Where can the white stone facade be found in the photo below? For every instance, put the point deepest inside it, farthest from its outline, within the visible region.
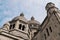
(20, 28)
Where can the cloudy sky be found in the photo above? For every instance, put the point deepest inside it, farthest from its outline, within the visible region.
(12, 8)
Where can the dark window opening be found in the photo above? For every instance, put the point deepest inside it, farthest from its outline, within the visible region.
(45, 36)
(47, 31)
(13, 26)
(23, 27)
(50, 29)
(35, 33)
(10, 27)
(20, 25)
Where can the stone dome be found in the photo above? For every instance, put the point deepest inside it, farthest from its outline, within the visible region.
(21, 17)
(33, 21)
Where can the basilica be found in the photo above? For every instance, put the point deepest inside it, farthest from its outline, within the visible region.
(19, 28)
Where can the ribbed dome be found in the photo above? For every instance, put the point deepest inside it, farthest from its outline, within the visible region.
(33, 21)
(21, 17)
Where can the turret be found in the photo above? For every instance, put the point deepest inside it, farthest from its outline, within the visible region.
(49, 5)
(51, 8)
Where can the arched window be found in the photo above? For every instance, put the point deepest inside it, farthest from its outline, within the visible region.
(10, 27)
(20, 25)
(47, 31)
(23, 27)
(13, 26)
(50, 29)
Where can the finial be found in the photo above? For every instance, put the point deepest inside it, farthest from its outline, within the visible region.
(21, 14)
(32, 18)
